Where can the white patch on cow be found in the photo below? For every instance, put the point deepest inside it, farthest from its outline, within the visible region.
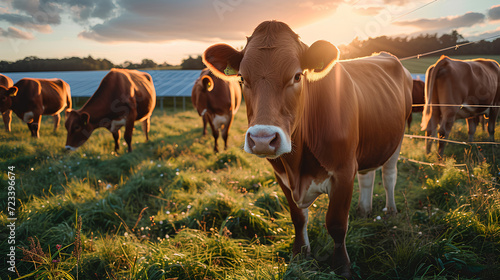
(203, 112)
(28, 117)
(286, 143)
(117, 124)
(315, 189)
(70, 148)
(220, 120)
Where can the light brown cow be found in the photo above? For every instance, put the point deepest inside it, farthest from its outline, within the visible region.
(417, 95)
(468, 83)
(7, 115)
(216, 101)
(122, 98)
(319, 121)
(30, 98)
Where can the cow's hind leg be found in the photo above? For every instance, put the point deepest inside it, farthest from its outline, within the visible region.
(491, 122)
(204, 118)
(7, 117)
(57, 120)
(365, 182)
(145, 127)
(215, 134)
(116, 136)
(337, 218)
(389, 177)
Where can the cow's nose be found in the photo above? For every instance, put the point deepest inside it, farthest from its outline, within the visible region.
(263, 143)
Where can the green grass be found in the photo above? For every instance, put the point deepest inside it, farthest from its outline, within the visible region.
(420, 65)
(172, 209)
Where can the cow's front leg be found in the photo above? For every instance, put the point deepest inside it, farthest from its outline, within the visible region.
(337, 219)
(7, 117)
(471, 125)
(494, 112)
(57, 120)
(299, 218)
(129, 129)
(34, 126)
(116, 136)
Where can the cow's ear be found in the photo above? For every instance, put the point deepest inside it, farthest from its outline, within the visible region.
(85, 118)
(208, 83)
(319, 59)
(223, 60)
(12, 91)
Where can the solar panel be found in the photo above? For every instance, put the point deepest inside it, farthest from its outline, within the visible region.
(168, 83)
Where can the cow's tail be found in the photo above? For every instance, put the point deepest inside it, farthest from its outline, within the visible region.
(69, 101)
(430, 80)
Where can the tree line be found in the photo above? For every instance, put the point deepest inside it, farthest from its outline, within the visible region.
(399, 46)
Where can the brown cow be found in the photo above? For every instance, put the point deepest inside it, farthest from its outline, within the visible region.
(319, 121)
(216, 101)
(7, 115)
(418, 98)
(30, 98)
(468, 83)
(122, 98)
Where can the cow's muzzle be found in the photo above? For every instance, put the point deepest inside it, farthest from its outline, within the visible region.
(266, 141)
(70, 148)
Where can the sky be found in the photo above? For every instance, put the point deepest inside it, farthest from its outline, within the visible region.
(171, 30)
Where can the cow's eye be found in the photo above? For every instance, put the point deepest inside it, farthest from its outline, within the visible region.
(297, 77)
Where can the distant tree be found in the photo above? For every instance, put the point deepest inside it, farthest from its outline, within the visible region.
(192, 63)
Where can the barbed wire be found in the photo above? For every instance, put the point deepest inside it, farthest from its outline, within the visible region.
(455, 105)
(449, 48)
(450, 141)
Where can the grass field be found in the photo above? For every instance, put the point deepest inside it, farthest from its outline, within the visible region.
(420, 65)
(172, 209)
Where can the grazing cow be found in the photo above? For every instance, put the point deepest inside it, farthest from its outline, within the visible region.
(7, 115)
(468, 83)
(122, 98)
(417, 95)
(319, 121)
(30, 98)
(216, 101)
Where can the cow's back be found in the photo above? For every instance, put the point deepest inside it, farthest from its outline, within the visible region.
(144, 92)
(119, 92)
(56, 95)
(383, 93)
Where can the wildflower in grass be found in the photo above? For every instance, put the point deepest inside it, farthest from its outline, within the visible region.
(58, 247)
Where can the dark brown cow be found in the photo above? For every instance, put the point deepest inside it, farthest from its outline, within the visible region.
(122, 98)
(30, 98)
(319, 121)
(418, 98)
(7, 115)
(216, 101)
(468, 83)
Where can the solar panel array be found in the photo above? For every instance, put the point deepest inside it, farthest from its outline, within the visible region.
(168, 83)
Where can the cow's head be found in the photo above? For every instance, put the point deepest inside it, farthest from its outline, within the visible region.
(272, 68)
(79, 128)
(203, 86)
(6, 95)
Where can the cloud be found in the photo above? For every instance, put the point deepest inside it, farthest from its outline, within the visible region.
(494, 13)
(369, 11)
(40, 15)
(201, 20)
(445, 23)
(13, 32)
(26, 22)
(484, 35)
